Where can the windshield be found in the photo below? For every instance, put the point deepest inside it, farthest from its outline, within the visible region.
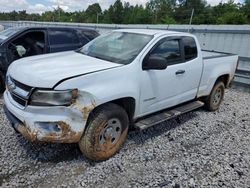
(117, 47)
(8, 32)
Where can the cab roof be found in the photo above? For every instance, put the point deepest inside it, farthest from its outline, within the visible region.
(50, 27)
(147, 31)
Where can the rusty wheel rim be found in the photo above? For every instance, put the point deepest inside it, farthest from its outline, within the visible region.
(111, 133)
(217, 96)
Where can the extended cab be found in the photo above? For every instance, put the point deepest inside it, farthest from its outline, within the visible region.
(124, 78)
(16, 43)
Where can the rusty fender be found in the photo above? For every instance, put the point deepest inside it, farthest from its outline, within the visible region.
(63, 131)
(85, 103)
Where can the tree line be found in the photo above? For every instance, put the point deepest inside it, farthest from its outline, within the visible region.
(154, 12)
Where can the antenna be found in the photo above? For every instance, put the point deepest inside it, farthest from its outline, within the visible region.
(191, 19)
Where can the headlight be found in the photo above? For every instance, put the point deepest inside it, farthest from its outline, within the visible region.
(53, 98)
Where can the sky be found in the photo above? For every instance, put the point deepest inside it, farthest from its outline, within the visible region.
(39, 6)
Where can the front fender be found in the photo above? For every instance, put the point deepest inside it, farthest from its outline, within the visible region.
(101, 87)
(85, 103)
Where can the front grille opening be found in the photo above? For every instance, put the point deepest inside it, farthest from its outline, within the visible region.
(20, 101)
(19, 92)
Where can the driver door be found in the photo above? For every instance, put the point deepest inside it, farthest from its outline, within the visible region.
(178, 83)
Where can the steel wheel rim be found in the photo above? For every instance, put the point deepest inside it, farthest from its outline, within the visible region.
(217, 96)
(111, 132)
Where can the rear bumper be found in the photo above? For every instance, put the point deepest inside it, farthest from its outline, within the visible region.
(49, 124)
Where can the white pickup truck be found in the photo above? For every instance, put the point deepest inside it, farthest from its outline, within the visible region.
(121, 79)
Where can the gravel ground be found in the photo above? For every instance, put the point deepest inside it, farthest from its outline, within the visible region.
(198, 149)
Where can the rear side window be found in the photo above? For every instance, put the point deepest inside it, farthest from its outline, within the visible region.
(190, 48)
(84, 40)
(57, 37)
(170, 50)
(90, 34)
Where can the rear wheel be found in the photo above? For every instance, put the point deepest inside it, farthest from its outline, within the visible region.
(105, 132)
(216, 96)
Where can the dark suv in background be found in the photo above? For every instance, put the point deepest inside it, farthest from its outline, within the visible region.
(16, 43)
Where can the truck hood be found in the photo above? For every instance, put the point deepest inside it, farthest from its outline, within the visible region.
(45, 71)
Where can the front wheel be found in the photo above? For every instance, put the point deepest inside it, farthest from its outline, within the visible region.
(216, 96)
(105, 132)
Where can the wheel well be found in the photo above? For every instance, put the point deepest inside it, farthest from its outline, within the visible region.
(224, 78)
(128, 103)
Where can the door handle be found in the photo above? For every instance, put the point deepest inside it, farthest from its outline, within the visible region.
(180, 72)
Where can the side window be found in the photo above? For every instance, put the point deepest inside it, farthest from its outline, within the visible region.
(190, 48)
(75, 38)
(90, 34)
(58, 37)
(27, 44)
(170, 50)
(83, 40)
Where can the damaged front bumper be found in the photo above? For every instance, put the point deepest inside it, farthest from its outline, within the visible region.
(48, 124)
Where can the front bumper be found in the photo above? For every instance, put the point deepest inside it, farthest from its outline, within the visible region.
(49, 124)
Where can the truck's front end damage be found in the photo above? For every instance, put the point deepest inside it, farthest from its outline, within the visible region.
(47, 115)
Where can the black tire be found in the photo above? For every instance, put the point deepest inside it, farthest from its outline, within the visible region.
(213, 101)
(105, 133)
(2, 83)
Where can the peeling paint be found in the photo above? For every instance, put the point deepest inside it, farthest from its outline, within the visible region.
(64, 130)
(67, 135)
(85, 103)
(26, 132)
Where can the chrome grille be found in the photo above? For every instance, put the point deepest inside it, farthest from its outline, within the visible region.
(19, 92)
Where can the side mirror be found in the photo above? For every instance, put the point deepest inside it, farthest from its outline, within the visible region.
(154, 63)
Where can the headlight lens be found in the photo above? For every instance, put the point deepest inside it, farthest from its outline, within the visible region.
(53, 98)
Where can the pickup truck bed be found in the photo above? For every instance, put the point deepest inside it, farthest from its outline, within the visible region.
(242, 75)
(224, 62)
(206, 54)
